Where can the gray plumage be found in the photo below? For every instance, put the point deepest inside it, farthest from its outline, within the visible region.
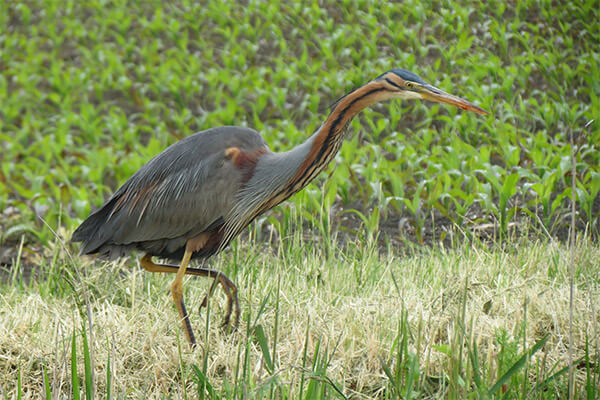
(194, 188)
(187, 189)
(272, 169)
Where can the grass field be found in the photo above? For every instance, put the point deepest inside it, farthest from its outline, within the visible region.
(430, 260)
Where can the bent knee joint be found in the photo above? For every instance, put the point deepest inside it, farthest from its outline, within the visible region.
(146, 262)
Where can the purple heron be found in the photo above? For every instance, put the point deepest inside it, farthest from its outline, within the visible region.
(197, 195)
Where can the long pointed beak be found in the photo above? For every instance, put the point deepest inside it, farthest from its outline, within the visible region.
(432, 93)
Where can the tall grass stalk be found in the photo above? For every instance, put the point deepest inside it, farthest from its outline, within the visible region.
(571, 266)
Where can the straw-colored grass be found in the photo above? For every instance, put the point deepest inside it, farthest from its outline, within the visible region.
(350, 303)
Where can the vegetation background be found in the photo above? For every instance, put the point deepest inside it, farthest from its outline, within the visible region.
(434, 258)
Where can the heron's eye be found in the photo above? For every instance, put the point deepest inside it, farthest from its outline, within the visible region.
(409, 85)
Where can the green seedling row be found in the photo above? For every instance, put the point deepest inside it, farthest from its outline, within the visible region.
(90, 91)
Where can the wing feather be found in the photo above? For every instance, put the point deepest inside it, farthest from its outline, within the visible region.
(177, 195)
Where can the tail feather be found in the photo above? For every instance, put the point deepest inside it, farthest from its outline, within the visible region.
(90, 234)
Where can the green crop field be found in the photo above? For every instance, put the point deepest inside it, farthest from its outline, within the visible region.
(443, 254)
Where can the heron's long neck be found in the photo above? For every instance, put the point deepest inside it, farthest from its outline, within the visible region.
(278, 176)
(312, 156)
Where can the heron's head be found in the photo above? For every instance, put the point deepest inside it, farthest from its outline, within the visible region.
(406, 85)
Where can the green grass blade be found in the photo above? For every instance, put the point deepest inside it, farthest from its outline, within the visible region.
(47, 391)
(89, 384)
(19, 386)
(264, 346)
(474, 357)
(203, 383)
(74, 377)
(591, 373)
(517, 365)
(542, 385)
(388, 372)
(304, 358)
(336, 388)
(108, 378)
(261, 309)
(276, 325)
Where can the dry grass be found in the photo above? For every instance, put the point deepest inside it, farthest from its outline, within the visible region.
(346, 302)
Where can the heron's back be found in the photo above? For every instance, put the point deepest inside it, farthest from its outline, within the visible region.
(186, 190)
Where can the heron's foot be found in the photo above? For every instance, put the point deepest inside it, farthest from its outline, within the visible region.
(218, 277)
(232, 298)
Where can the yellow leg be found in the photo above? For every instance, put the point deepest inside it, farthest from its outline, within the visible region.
(177, 292)
(219, 278)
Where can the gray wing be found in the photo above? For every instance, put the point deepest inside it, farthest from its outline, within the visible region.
(175, 196)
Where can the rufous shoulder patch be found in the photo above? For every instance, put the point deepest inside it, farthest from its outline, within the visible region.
(232, 153)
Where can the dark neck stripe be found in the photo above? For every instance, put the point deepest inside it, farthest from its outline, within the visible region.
(345, 110)
(393, 83)
(332, 134)
(328, 146)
